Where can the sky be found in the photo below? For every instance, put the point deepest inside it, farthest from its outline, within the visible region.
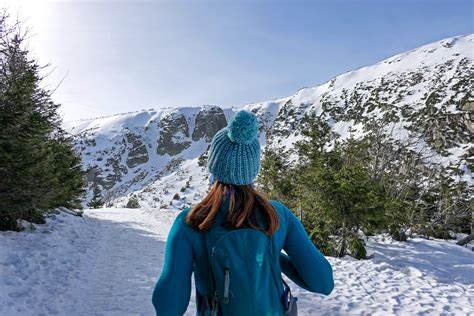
(109, 56)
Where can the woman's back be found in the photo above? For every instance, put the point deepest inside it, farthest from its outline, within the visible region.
(232, 240)
(303, 264)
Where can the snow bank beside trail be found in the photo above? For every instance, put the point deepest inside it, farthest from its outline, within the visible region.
(107, 263)
(418, 277)
(40, 269)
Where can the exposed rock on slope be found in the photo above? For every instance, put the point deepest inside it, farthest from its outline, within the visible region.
(174, 132)
(208, 122)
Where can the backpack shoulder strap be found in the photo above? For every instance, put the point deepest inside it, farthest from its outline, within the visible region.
(210, 297)
(287, 297)
(276, 276)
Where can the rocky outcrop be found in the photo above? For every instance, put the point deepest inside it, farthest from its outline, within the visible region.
(468, 118)
(93, 175)
(138, 153)
(208, 122)
(174, 134)
(115, 172)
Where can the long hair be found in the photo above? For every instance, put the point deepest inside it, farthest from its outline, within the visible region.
(243, 201)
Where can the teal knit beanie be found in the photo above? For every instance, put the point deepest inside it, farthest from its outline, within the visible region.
(234, 156)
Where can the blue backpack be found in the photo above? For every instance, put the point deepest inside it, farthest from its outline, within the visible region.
(242, 275)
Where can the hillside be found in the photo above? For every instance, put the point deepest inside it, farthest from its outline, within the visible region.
(422, 98)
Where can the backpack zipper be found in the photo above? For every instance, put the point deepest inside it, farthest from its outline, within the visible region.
(225, 300)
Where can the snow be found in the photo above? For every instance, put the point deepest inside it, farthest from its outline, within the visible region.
(348, 130)
(107, 263)
(429, 56)
(39, 270)
(103, 264)
(422, 277)
(267, 111)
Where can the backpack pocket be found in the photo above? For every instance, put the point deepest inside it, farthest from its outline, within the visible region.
(243, 270)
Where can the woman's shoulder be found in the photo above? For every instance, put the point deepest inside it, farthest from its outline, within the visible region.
(182, 215)
(279, 206)
(183, 227)
(281, 209)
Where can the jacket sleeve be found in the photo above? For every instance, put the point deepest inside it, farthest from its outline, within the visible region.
(173, 289)
(305, 264)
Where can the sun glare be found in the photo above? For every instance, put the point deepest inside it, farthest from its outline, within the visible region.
(27, 10)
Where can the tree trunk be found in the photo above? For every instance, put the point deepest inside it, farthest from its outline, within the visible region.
(465, 240)
(342, 250)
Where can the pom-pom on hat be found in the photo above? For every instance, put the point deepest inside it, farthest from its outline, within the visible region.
(234, 156)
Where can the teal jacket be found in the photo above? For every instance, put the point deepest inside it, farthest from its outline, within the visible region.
(303, 264)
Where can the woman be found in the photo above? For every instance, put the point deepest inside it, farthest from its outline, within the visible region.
(229, 240)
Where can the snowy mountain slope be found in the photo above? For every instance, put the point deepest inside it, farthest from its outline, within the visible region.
(433, 82)
(124, 153)
(422, 97)
(107, 263)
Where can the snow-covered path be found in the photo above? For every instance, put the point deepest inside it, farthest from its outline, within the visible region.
(128, 254)
(107, 263)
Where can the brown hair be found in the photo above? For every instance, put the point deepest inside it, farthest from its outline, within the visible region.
(242, 207)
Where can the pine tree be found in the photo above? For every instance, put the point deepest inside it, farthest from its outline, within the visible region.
(96, 201)
(68, 172)
(275, 177)
(447, 207)
(39, 169)
(330, 187)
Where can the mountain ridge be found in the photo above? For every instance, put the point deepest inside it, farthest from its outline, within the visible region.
(423, 94)
(276, 99)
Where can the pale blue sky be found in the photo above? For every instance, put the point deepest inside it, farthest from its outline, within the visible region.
(119, 56)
